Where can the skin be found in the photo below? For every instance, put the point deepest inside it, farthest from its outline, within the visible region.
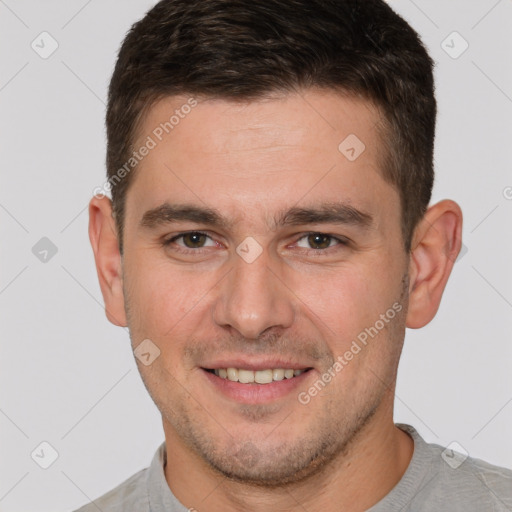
(296, 302)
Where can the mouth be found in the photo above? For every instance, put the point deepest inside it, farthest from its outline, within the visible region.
(266, 376)
(256, 385)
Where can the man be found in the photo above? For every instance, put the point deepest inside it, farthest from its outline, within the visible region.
(268, 241)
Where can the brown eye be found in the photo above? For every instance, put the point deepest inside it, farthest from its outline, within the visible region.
(319, 241)
(194, 240)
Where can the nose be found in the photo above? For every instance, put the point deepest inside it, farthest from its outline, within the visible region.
(253, 298)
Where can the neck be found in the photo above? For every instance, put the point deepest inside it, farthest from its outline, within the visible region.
(369, 468)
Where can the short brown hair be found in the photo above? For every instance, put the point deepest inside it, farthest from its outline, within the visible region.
(243, 50)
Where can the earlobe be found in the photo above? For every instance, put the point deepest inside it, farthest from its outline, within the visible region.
(436, 244)
(103, 237)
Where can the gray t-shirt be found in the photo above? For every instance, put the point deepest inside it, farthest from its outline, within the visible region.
(436, 480)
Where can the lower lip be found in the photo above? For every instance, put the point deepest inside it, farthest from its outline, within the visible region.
(257, 393)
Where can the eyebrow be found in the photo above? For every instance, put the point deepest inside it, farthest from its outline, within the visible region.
(332, 213)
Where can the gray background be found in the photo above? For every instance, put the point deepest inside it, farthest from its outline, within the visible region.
(68, 377)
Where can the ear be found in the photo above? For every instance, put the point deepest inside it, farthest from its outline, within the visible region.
(436, 244)
(103, 237)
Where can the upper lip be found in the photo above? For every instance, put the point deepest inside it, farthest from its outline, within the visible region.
(255, 365)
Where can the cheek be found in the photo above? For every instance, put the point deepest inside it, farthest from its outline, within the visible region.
(154, 297)
(166, 301)
(364, 332)
(346, 301)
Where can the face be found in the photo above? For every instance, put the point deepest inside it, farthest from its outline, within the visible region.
(255, 243)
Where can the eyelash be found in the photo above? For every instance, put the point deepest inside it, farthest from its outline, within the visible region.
(341, 241)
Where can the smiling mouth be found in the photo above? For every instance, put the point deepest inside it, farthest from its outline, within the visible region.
(256, 377)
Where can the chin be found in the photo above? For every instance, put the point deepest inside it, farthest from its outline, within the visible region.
(271, 466)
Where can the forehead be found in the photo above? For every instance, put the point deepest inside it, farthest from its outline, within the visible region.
(315, 117)
(260, 155)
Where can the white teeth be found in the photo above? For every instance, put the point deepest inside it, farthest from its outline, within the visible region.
(259, 376)
(278, 374)
(232, 374)
(263, 376)
(245, 376)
